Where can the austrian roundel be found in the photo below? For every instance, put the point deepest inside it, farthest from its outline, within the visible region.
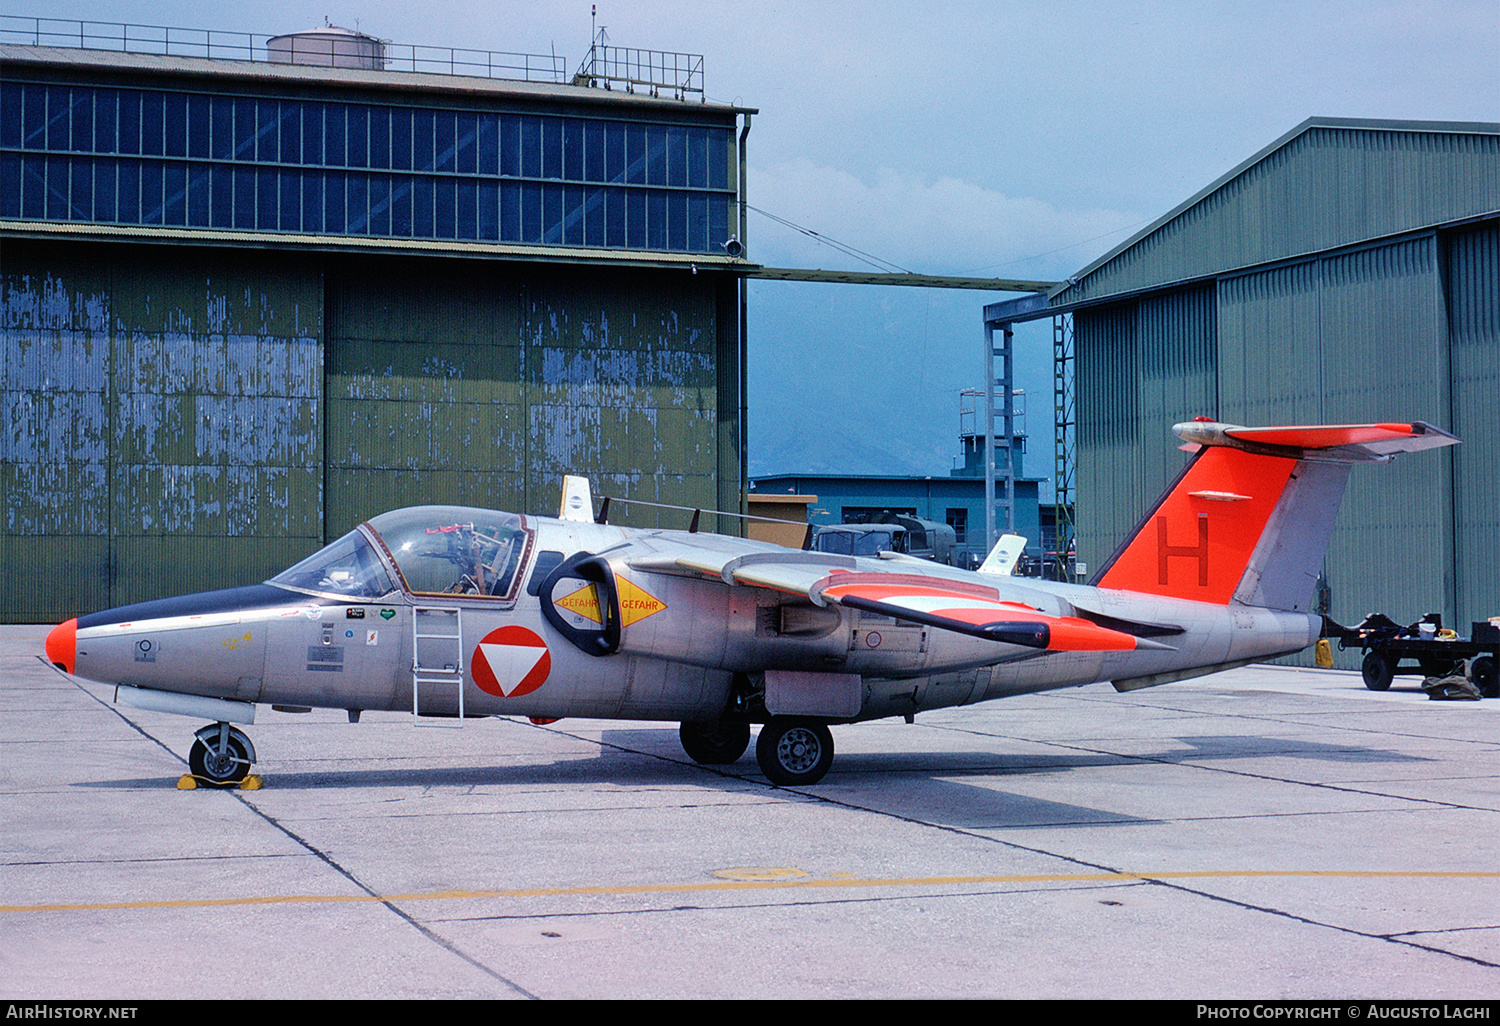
(511, 661)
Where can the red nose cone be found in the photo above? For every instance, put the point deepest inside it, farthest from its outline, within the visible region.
(62, 644)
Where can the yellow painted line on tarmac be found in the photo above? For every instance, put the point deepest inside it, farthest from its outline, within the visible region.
(789, 881)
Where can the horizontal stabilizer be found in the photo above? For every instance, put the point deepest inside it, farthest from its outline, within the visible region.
(1343, 443)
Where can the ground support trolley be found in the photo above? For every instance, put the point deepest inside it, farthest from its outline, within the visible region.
(1422, 648)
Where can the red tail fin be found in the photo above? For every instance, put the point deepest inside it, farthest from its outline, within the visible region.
(1249, 518)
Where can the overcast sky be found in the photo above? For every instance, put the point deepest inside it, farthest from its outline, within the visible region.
(1018, 139)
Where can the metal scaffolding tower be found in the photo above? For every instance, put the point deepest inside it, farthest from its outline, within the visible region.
(1000, 408)
(1000, 429)
(1064, 440)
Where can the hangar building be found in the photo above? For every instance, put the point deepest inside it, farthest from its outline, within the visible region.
(1348, 272)
(247, 303)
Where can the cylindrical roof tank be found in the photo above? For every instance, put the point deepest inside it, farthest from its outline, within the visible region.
(328, 47)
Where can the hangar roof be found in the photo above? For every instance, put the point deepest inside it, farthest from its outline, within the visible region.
(1326, 184)
(276, 73)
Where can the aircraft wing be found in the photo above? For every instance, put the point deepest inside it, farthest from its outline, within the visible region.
(936, 600)
(782, 570)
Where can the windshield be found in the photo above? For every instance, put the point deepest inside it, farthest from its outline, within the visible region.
(348, 568)
(856, 543)
(453, 550)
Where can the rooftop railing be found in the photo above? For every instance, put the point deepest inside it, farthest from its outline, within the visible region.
(650, 71)
(172, 41)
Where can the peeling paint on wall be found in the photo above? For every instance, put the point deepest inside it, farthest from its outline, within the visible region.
(137, 406)
(174, 421)
(517, 380)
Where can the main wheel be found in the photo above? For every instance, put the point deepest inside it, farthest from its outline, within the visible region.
(1378, 671)
(1485, 676)
(793, 751)
(228, 770)
(715, 743)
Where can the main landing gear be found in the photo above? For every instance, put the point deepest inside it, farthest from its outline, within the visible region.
(717, 743)
(221, 756)
(792, 751)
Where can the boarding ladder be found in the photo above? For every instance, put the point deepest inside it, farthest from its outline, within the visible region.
(437, 661)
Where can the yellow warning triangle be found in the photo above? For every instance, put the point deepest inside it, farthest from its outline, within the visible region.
(584, 602)
(635, 602)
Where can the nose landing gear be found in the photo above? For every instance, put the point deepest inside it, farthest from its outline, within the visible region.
(221, 756)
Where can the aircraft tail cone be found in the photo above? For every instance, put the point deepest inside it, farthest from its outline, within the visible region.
(62, 645)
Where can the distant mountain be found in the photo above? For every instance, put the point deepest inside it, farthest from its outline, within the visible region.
(850, 449)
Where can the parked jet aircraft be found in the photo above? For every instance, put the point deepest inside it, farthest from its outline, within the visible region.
(464, 612)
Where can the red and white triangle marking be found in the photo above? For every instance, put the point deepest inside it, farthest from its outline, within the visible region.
(511, 661)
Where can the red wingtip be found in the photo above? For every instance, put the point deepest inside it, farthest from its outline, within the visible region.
(62, 644)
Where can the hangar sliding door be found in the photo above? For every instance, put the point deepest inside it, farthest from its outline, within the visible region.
(162, 423)
(484, 383)
(1355, 337)
(424, 392)
(1472, 270)
(1142, 367)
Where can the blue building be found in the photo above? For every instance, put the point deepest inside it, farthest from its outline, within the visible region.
(956, 500)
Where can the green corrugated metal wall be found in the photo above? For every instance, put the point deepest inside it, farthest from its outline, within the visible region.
(58, 432)
(425, 397)
(1353, 269)
(1407, 330)
(1270, 371)
(1472, 259)
(485, 384)
(1384, 357)
(1349, 338)
(162, 423)
(1327, 187)
(164, 409)
(1142, 367)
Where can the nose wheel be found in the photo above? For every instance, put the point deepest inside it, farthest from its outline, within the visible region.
(221, 756)
(794, 752)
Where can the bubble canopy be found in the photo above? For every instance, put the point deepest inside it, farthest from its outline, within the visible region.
(348, 568)
(437, 550)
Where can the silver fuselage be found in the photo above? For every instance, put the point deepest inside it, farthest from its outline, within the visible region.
(683, 641)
